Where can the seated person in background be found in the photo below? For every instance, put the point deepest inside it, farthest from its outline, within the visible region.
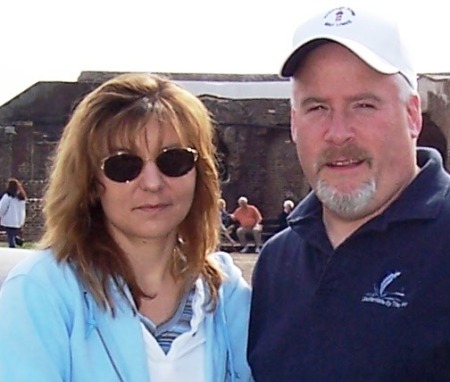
(249, 219)
(226, 223)
(288, 206)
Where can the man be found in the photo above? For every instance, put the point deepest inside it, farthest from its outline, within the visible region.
(249, 219)
(288, 206)
(357, 289)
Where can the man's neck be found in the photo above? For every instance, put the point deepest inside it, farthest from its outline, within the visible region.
(338, 229)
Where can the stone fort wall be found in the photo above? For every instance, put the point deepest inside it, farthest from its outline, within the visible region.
(256, 155)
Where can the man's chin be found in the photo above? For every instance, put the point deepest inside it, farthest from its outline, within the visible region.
(342, 187)
(347, 212)
(350, 202)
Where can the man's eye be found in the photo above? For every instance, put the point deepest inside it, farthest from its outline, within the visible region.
(316, 108)
(365, 105)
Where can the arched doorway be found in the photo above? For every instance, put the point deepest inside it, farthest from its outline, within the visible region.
(431, 136)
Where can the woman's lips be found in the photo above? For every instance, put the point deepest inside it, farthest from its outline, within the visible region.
(152, 207)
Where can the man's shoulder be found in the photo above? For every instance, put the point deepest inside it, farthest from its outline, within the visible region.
(254, 208)
(282, 244)
(237, 209)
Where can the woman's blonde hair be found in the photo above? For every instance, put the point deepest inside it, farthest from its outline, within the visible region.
(222, 204)
(118, 112)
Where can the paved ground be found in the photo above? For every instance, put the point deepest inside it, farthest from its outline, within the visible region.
(246, 262)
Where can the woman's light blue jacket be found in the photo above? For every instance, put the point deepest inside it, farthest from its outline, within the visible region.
(51, 329)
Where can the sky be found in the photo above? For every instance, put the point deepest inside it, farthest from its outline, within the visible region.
(48, 40)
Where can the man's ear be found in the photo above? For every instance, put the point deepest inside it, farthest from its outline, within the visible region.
(293, 129)
(414, 116)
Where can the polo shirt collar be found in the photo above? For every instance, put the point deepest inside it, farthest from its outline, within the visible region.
(421, 199)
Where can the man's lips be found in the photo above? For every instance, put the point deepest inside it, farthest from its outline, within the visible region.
(348, 157)
(345, 163)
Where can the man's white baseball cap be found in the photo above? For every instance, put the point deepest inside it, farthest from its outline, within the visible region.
(374, 39)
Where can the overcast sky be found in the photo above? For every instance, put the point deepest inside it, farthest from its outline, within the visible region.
(56, 40)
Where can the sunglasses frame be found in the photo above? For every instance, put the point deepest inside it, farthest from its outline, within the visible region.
(194, 152)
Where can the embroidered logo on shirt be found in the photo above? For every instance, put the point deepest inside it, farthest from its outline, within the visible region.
(382, 296)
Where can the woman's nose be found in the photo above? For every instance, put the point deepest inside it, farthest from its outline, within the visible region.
(150, 178)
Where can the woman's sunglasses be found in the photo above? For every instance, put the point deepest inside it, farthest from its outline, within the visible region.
(124, 167)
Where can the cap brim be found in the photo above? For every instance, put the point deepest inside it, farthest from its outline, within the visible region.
(370, 58)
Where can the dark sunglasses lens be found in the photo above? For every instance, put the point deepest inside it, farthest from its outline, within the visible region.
(175, 162)
(122, 167)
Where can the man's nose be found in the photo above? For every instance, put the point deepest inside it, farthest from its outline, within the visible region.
(339, 129)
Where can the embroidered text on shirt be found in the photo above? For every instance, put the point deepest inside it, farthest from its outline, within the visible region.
(381, 296)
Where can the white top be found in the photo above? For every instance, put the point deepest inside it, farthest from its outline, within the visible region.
(12, 211)
(187, 353)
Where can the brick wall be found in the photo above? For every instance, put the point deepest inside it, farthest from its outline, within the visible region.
(259, 161)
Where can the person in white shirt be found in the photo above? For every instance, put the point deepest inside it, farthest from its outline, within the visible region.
(13, 210)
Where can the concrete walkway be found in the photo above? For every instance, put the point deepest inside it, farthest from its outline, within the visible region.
(245, 261)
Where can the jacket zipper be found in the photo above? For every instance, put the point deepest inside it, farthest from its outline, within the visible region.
(111, 359)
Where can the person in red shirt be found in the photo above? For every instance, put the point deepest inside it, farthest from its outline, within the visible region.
(249, 219)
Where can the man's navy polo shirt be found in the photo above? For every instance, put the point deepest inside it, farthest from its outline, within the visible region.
(376, 308)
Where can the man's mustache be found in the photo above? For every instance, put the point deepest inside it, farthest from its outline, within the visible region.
(349, 152)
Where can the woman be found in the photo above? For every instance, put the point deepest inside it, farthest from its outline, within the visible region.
(125, 289)
(225, 222)
(13, 210)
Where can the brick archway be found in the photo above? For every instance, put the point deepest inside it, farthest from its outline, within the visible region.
(432, 136)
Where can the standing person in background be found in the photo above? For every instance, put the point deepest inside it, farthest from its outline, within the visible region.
(288, 206)
(249, 219)
(356, 290)
(13, 210)
(126, 287)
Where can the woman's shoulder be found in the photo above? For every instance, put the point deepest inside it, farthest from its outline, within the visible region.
(223, 260)
(5, 196)
(40, 266)
(232, 273)
(17, 201)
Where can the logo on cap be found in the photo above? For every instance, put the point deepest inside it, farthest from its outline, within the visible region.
(339, 16)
